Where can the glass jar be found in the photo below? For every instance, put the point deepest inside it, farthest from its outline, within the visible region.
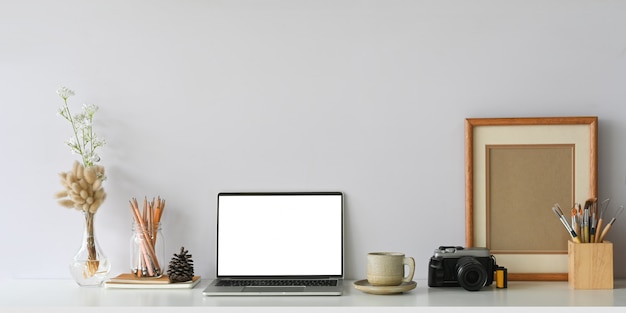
(147, 250)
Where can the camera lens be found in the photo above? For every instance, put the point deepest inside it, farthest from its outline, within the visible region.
(471, 274)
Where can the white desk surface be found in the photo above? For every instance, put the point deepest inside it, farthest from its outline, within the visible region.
(25, 293)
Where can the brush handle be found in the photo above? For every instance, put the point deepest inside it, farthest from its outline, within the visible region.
(605, 230)
(569, 229)
(599, 229)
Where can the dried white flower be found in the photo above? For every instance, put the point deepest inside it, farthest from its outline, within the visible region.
(90, 109)
(65, 92)
(82, 186)
(84, 142)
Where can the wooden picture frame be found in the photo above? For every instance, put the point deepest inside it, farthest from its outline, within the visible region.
(567, 147)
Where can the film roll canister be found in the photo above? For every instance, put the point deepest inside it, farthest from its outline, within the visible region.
(501, 277)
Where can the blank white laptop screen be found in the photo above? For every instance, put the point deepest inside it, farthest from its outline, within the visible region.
(280, 235)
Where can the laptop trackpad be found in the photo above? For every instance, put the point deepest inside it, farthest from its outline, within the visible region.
(273, 289)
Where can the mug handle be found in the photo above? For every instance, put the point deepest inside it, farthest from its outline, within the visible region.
(410, 262)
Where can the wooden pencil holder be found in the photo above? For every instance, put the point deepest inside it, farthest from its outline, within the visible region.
(590, 265)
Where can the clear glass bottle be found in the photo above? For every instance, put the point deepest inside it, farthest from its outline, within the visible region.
(90, 267)
(147, 250)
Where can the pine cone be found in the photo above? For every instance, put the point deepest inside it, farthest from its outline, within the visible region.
(181, 267)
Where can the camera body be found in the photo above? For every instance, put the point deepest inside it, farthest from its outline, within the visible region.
(453, 266)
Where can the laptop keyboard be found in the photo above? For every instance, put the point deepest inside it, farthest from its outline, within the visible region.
(273, 282)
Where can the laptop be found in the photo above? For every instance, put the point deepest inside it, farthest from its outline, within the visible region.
(278, 243)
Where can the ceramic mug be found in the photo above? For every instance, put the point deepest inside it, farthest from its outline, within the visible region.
(387, 268)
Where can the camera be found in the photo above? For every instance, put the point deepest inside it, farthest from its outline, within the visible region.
(470, 268)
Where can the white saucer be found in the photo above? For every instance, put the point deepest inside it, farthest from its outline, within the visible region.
(364, 286)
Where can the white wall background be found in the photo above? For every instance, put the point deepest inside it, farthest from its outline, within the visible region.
(364, 97)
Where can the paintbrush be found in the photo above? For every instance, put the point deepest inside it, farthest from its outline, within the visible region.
(601, 210)
(608, 226)
(557, 210)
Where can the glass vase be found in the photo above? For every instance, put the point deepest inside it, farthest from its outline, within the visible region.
(90, 267)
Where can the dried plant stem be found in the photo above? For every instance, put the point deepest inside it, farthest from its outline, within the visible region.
(92, 260)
